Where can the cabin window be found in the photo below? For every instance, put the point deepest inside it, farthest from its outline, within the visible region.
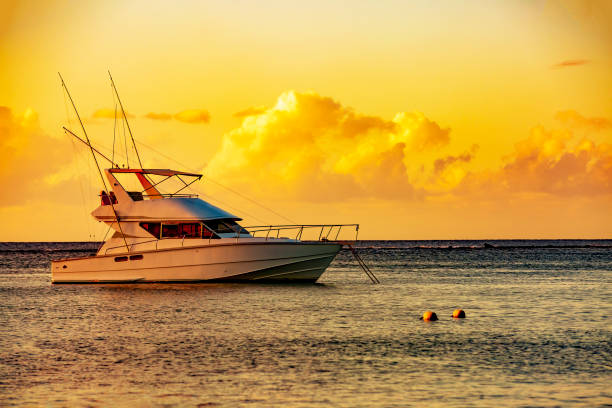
(207, 234)
(170, 230)
(225, 227)
(135, 195)
(136, 257)
(235, 227)
(190, 230)
(186, 230)
(152, 228)
(121, 258)
(179, 230)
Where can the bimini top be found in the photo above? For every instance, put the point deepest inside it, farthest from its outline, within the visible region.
(151, 187)
(157, 172)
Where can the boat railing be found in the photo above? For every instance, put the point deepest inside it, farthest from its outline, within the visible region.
(322, 232)
(304, 232)
(166, 195)
(131, 246)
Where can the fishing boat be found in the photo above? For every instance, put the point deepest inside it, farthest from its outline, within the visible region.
(161, 236)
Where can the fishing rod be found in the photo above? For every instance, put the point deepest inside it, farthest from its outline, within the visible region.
(66, 130)
(95, 159)
(125, 118)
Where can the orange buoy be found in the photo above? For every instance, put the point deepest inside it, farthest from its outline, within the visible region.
(429, 316)
(458, 314)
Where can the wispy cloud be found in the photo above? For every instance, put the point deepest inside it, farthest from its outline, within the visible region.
(193, 116)
(575, 119)
(158, 116)
(570, 63)
(106, 113)
(252, 111)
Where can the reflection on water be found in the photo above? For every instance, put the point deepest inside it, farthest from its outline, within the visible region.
(537, 333)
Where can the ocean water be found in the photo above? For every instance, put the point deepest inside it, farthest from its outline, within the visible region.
(538, 332)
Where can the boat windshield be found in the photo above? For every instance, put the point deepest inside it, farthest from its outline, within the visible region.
(225, 226)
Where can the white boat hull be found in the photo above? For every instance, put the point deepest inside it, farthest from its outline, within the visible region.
(255, 261)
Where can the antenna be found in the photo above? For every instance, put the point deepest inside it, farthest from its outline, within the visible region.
(94, 157)
(125, 117)
(114, 131)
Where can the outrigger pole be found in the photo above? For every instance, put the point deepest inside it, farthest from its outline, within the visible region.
(95, 159)
(125, 118)
(70, 132)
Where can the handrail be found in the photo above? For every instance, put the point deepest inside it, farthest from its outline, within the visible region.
(324, 233)
(268, 229)
(132, 245)
(147, 196)
(169, 195)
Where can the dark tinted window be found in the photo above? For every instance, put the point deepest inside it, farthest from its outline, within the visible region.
(186, 229)
(152, 228)
(235, 227)
(218, 226)
(170, 230)
(190, 230)
(135, 195)
(206, 234)
(225, 226)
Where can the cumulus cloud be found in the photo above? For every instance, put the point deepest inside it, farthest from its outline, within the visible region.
(158, 116)
(105, 113)
(443, 163)
(570, 63)
(553, 162)
(29, 158)
(313, 148)
(549, 161)
(193, 116)
(252, 111)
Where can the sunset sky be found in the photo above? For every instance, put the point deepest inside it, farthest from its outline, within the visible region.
(416, 119)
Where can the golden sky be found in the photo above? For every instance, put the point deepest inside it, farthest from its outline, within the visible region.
(417, 120)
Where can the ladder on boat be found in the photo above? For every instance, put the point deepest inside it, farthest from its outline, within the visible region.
(363, 265)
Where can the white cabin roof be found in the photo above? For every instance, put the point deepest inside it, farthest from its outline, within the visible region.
(167, 209)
